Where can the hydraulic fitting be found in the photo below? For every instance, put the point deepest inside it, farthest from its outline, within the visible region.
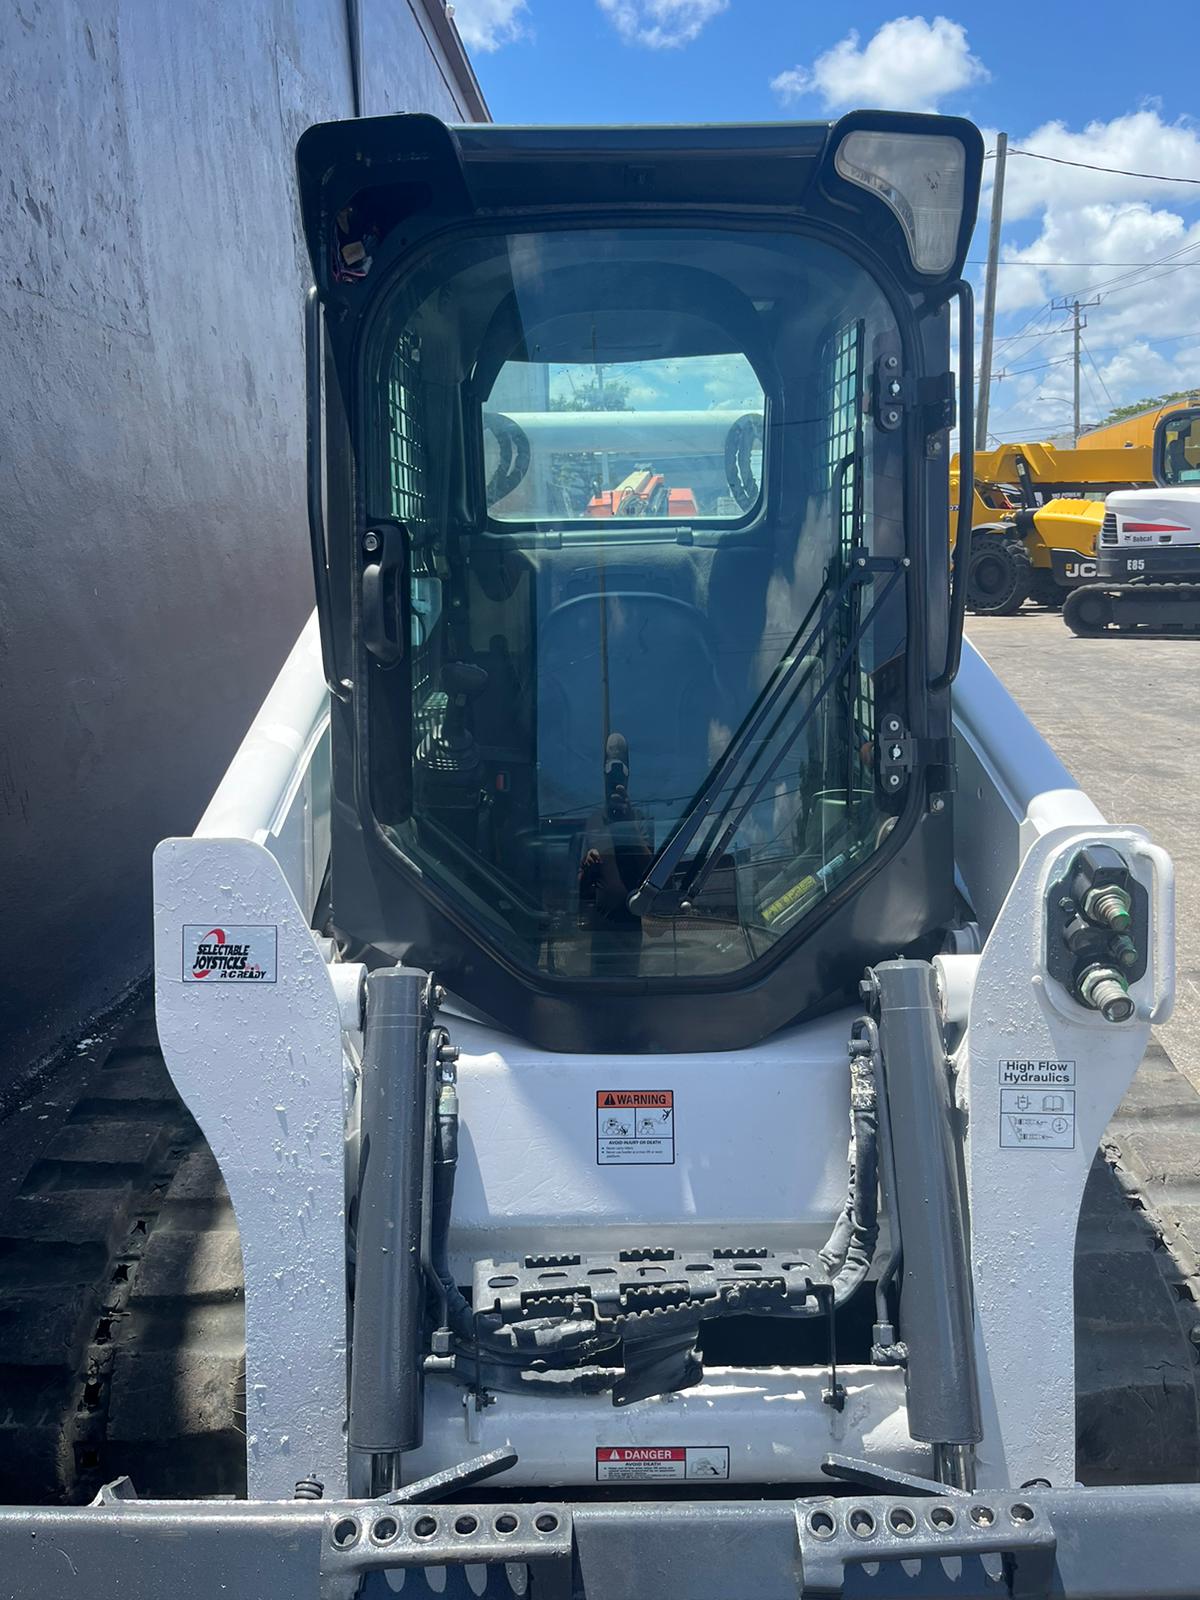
(1110, 906)
(1124, 951)
(1106, 991)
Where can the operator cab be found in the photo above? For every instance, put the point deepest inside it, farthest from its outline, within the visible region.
(1177, 449)
(633, 563)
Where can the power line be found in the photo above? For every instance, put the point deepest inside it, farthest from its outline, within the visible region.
(1028, 434)
(1125, 280)
(1100, 350)
(1109, 284)
(1111, 402)
(1092, 166)
(1050, 333)
(979, 261)
(1028, 324)
(1093, 396)
(1019, 372)
(1034, 333)
(1166, 338)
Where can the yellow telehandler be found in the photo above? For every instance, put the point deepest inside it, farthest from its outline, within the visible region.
(1037, 513)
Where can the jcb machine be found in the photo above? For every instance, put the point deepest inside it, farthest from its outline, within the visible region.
(653, 1014)
(1036, 514)
(1147, 569)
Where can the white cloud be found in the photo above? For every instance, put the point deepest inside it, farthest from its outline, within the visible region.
(488, 24)
(909, 64)
(661, 24)
(1115, 240)
(1138, 142)
(1113, 233)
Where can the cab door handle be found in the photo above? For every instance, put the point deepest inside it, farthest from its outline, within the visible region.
(384, 607)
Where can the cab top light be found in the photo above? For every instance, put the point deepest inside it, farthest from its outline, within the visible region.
(921, 177)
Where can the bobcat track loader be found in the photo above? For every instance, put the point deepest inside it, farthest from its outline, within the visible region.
(649, 999)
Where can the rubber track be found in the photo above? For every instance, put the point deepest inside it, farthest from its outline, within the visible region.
(1137, 1288)
(1189, 592)
(121, 1323)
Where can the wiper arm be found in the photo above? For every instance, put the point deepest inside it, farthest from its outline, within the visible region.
(795, 669)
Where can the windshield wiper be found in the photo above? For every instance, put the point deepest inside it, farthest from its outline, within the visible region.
(794, 671)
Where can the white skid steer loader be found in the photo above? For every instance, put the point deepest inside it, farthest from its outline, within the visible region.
(652, 999)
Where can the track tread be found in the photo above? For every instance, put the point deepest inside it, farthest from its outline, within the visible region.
(122, 1329)
(1165, 593)
(1137, 1291)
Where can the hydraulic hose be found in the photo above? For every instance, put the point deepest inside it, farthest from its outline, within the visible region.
(457, 1309)
(850, 1248)
(884, 1349)
(549, 1338)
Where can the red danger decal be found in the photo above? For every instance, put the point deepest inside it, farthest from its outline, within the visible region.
(627, 1453)
(647, 1463)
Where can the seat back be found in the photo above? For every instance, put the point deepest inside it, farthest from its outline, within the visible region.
(654, 655)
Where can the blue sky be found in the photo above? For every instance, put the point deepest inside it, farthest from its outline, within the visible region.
(1083, 84)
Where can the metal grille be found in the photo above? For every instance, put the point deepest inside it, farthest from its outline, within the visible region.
(407, 475)
(844, 409)
(1108, 528)
(406, 453)
(844, 397)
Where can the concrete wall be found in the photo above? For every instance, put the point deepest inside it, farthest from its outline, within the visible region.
(154, 565)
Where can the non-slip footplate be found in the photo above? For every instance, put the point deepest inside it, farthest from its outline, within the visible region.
(637, 1309)
(630, 1282)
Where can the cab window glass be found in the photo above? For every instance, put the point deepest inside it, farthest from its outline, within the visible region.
(1181, 452)
(677, 437)
(674, 508)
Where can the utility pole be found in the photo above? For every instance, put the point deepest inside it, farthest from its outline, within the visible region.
(989, 295)
(1079, 322)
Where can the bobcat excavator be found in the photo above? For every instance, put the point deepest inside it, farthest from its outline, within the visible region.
(1147, 565)
(643, 1000)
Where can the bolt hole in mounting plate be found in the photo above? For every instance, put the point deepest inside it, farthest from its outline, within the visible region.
(859, 1529)
(379, 1537)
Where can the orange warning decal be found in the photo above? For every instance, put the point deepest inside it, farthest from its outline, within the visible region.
(635, 1127)
(627, 1099)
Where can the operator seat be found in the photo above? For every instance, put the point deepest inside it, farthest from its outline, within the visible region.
(663, 696)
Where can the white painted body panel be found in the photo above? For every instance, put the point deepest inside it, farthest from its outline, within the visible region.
(276, 791)
(760, 1146)
(261, 1067)
(1174, 514)
(1024, 1203)
(773, 1422)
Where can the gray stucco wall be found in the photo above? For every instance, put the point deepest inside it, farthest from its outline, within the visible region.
(153, 546)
